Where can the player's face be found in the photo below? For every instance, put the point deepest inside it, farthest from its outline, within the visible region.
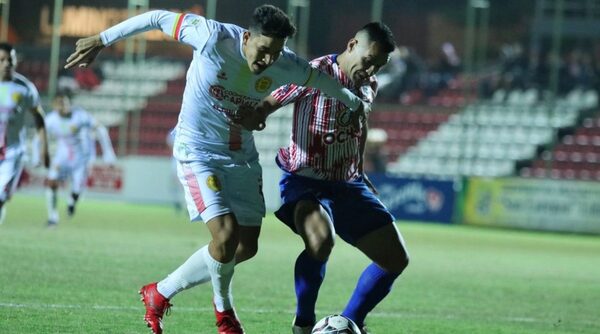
(261, 51)
(365, 61)
(62, 104)
(6, 65)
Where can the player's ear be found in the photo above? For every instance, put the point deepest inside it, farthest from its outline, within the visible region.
(246, 37)
(352, 44)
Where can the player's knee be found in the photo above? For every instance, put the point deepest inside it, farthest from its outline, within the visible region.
(397, 264)
(320, 248)
(246, 252)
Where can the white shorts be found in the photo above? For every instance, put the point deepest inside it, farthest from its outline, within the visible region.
(75, 172)
(213, 190)
(10, 172)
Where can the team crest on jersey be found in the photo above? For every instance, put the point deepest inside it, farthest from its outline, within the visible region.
(263, 84)
(213, 183)
(16, 97)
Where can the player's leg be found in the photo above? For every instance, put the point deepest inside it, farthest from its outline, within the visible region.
(52, 200)
(386, 248)
(248, 245)
(10, 173)
(307, 217)
(79, 176)
(372, 230)
(314, 226)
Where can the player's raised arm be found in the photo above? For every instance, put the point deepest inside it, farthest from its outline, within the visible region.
(186, 28)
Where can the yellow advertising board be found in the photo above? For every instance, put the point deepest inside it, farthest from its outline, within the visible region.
(551, 205)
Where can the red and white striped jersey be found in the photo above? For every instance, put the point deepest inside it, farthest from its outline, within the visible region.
(324, 144)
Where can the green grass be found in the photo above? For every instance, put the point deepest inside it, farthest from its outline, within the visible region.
(83, 276)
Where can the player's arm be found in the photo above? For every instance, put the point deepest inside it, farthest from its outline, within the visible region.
(108, 153)
(173, 24)
(38, 118)
(254, 118)
(361, 152)
(333, 88)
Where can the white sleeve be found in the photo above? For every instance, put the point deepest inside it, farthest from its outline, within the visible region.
(307, 76)
(333, 88)
(190, 29)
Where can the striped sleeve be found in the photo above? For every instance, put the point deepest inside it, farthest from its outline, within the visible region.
(186, 28)
(290, 93)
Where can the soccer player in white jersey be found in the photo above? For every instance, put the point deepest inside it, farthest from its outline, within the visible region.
(324, 189)
(232, 68)
(74, 131)
(17, 97)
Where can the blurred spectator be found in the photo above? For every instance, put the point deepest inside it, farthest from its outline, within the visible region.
(401, 74)
(88, 78)
(375, 161)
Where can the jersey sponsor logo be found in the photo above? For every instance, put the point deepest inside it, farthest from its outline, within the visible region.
(213, 183)
(344, 117)
(341, 136)
(263, 84)
(222, 94)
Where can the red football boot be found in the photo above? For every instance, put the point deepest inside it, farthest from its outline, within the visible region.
(228, 323)
(156, 305)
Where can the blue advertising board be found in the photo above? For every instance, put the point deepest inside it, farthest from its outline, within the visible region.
(415, 198)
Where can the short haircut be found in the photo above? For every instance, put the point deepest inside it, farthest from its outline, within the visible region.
(63, 93)
(6, 47)
(380, 33)
(271, 21)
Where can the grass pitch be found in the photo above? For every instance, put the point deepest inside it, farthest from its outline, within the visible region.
(83, 276)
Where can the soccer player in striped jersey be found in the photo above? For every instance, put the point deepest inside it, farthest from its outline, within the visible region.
(324, 189)
(17, 97)
(231, 68)
(74, 131)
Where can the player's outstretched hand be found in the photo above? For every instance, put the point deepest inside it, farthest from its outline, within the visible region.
(86, 50)
(250, 118)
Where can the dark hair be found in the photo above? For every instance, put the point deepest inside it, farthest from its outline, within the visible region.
(64, 93)
(380, 33)
(6, 47)
(271, 21)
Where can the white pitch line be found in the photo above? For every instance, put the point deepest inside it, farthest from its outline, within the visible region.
(291, 312)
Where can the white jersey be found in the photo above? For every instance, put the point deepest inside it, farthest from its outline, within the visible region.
(16, 97)
(219, 81)
(71, 135)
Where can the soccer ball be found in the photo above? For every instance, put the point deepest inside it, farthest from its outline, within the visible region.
(335, 324)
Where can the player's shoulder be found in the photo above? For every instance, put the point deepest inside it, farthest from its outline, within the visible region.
(21, 80)
(225, 30)
(324, 62)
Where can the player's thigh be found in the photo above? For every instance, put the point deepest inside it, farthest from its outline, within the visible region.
(243, 184)
(205, 197)
(79, 175)
(386, 247)
(10, 172)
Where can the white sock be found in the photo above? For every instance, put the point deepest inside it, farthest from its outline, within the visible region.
(51, 205)
(192, 272)
(221, 275)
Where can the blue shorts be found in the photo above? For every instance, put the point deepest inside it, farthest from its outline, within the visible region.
(354, 210)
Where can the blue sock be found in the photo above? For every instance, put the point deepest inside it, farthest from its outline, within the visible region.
(373, 285)
(308, 276)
